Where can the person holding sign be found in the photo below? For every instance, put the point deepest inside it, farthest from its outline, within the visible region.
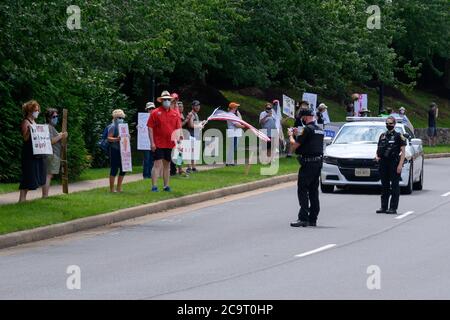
(148, 155)
(114, 151)
(34, 169)
(54, 160)
(234, 132)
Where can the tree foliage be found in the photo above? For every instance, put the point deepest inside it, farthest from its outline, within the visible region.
(306, 44)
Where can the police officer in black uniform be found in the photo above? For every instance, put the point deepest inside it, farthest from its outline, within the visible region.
(390, 155)
(308, 144)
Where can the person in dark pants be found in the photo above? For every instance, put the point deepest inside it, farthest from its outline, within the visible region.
(308, 144)
(114, 151)
(391, 156)
(148, 154)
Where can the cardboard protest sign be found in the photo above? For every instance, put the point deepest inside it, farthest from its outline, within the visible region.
(40, 139)
(311, 98)
(125, 147)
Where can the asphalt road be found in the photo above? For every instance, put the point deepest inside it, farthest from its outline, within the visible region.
(243, 248)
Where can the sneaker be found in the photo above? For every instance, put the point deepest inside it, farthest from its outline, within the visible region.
(154, 189)
(167, 189)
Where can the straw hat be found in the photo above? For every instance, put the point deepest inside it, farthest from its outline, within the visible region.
(164, 95)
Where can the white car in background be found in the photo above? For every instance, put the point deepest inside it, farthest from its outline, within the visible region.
(349, 158)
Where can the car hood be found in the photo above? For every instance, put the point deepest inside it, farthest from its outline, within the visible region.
(355, 151)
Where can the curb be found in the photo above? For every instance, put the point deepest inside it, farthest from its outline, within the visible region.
(437, 155)
(61, 229)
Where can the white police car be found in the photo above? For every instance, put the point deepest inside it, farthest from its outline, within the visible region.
(349, 158)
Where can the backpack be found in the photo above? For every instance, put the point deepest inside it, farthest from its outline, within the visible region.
(104, 143)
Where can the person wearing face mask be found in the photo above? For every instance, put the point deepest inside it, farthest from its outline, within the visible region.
(390, 156)
(268, 121)
(114, 151)
(34, 171)
(53, 161)
(402, 115)
(308, 144)
(164, 129)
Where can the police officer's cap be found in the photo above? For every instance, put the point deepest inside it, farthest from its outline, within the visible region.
(306, 113)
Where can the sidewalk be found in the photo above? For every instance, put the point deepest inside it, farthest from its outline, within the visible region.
(13, 197)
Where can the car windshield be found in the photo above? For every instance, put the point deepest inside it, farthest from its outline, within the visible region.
(361, 134)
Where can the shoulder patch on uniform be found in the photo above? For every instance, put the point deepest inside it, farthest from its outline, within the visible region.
(402, 137)
(318, 131)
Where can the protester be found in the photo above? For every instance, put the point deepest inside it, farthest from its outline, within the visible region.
(350, 109)
(433, 113)
(304, 105)
(148, 154)
(194, 126)
(278, 121)
(234, 132)
(268, 121)
(323, 110)
(114, 151)
(184, 122)
(53, 161)
(34, 168)
(163, 126)
(174, 106)
(402, 115)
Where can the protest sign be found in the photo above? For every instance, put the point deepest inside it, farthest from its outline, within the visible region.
(143, 140)
(360, 104)
(311, 98)
(189, 149)
(125, 147)
(40, 139)
(288, 106)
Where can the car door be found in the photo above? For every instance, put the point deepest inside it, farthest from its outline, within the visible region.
(417, 155)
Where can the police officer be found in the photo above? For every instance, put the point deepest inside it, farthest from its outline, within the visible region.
(308, 144)
(390, 155)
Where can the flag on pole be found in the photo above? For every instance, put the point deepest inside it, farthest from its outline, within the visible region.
(221, 115)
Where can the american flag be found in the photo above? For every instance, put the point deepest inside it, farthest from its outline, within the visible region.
(228, 116)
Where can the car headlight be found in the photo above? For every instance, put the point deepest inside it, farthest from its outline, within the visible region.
(330, 160)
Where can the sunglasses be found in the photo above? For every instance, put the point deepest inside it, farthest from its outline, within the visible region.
(54, 117)
(166, 99)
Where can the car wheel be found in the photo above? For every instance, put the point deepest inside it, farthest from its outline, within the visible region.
(326, 188)
(409, 188)
(419, 184)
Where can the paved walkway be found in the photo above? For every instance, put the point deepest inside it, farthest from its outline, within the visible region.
(13, 197)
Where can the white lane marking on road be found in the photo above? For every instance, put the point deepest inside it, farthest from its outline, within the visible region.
(404, 215)
(328, 246)
(445, 194)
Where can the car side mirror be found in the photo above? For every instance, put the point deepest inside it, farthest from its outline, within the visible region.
(327, 140)
(416, 142)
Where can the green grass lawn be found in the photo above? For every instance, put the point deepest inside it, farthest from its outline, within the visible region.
(57, 209)
(438, 149)
(88, 174)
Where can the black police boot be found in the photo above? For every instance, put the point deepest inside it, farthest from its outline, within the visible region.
(313, 223)
(299, 223)
(381, 210)
(391, 211)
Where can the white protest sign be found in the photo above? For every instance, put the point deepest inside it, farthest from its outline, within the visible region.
(190, 149)
(211, 147)
(125, 147)
(361, 104)
(288, 106)
(311, 98)
(143, 140)
(40, 139)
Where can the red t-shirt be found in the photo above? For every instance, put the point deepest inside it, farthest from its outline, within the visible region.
(164, 123)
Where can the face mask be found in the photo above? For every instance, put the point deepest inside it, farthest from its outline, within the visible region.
(54, 121)
(390, 127)
(268, 109)
(166, 104)
(119, 121)
(36, 114)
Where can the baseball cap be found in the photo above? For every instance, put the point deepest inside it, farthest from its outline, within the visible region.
(233, 105)
(195, 103)
(149, 105)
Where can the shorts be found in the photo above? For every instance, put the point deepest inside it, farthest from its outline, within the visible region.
(432, 132)
(162, 154)
(53, 164)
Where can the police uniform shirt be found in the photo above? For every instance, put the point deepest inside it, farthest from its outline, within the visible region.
(389, 145)
(310, 140)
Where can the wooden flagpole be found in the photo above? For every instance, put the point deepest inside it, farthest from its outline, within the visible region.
(64, 171)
